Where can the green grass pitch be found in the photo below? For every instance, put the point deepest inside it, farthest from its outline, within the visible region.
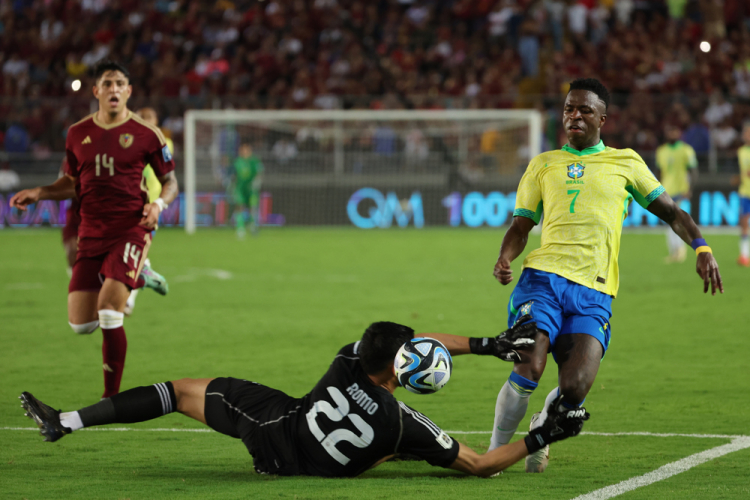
(276, 308)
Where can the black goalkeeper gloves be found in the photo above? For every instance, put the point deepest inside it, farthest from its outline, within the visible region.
(561, 423)
(506, 345)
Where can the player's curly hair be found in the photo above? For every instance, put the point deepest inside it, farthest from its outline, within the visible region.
(380, 343)
(592, 85)
(109, 65)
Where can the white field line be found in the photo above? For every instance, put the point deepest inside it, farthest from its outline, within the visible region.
(666, 471)
(647, 434)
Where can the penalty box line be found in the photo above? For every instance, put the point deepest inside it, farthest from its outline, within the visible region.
(584, 433)
(666, 471)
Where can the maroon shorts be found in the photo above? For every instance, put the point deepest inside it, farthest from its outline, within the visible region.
(72, 220)
(119, 258)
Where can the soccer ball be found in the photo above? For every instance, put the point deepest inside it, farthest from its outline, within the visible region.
(423, 366)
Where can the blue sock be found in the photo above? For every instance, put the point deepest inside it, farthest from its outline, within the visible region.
(570, 406)
(521, 385)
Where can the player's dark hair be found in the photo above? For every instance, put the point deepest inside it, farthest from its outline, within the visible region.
(380, 343)
(592, 85)
(109, 65)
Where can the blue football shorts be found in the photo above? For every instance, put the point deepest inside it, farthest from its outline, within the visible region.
(560, 306)
(744, 206)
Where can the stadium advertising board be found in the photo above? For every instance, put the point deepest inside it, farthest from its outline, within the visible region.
(370, 208)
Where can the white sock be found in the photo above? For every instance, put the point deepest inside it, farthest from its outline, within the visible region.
(110, 319)
(71, 420)
(131, 299)
(745, 246)
(510, 408)
(554, 393)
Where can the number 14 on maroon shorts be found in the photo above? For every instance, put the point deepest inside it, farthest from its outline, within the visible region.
(120, 259)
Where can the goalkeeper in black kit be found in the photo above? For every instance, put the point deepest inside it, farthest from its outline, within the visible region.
(349, 422)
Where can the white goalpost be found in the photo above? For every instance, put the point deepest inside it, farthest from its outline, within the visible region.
(305, 150)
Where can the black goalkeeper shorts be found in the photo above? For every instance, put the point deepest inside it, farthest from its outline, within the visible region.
(263, 418)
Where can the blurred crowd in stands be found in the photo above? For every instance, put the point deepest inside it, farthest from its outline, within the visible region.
(680, 61)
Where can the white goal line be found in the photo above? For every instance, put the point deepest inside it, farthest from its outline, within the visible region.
(584, 433)
(667, 471)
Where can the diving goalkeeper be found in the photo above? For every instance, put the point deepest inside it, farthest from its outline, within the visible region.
(349, 422)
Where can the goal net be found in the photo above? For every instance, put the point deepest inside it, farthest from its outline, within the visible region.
(367, 168)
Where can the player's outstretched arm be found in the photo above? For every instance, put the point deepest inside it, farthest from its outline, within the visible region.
(558, 426)
(684, 226)
(62, 189)
(505, 346)
(513, 244)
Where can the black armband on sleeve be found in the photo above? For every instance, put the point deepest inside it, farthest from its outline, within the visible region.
(480, 345)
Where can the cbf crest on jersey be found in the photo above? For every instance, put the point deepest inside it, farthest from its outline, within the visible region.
(126, 140)
(575, 170)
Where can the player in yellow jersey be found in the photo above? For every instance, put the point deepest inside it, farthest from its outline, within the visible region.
(567, 285)
(154, 190)
(743, 158)
(678, 170)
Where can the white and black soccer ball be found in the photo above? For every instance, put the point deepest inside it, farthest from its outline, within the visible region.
(423, 366)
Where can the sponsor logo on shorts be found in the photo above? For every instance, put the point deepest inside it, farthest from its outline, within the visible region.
(130, 274)
(525, 309)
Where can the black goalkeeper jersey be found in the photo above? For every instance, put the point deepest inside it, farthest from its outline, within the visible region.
(346, 424)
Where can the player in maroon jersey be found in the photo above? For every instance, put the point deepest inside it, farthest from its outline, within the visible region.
(107, 152)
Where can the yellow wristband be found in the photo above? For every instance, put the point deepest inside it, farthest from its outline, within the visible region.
(700, 250)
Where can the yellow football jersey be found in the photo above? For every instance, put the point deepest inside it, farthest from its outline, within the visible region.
(743, 156)
(674, 160)
(584, 196)
(152, 183)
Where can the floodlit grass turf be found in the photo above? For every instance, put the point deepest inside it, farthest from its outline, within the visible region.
(677, 363)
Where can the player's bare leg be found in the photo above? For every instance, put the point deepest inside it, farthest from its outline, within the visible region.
(82, 311)
(187, 396)
(744, 259)
(578, 357)
(191, 397)
(111, 304)
(513, 398)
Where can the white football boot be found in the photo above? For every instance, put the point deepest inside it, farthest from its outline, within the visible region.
(537, 461)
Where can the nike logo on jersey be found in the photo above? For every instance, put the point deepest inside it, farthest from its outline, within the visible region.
(87, 140)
